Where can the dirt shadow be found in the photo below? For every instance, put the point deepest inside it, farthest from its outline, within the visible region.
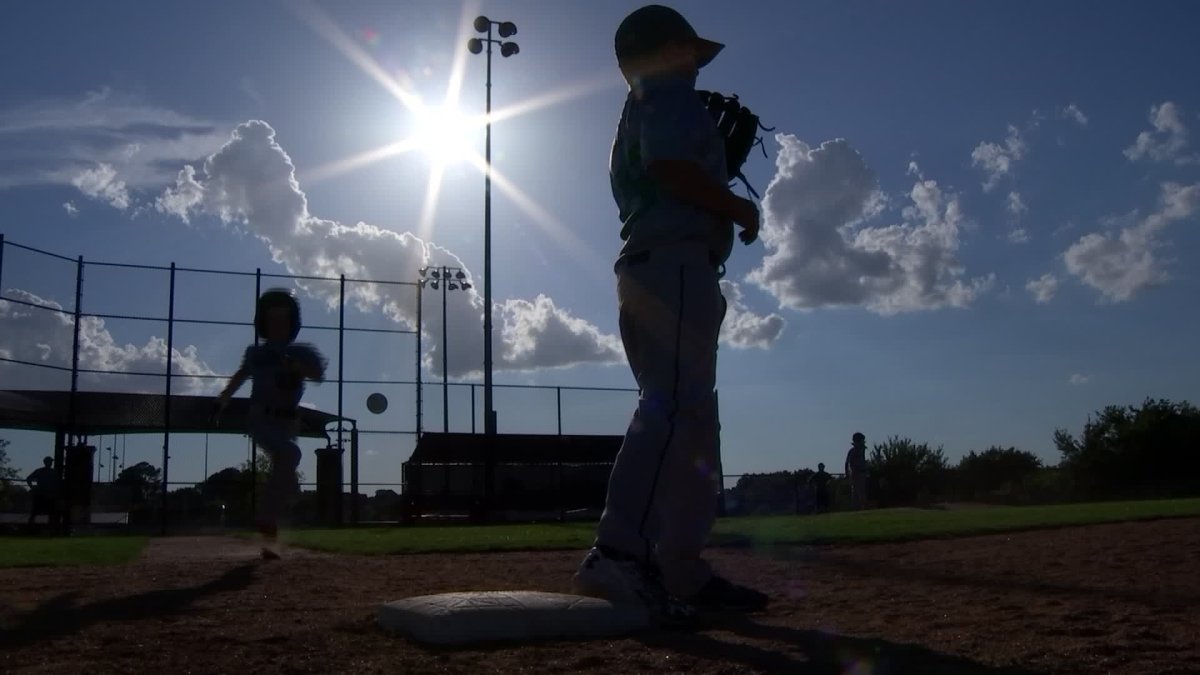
(793, 651)
(1171, 600)
(815, 652)
(62, 615)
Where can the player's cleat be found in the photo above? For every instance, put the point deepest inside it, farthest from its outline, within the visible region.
(269, 554)
(722, 595)
(622, 579)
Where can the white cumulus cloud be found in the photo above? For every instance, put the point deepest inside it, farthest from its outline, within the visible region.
(46, 337)
(743, 328)
(1121, 265)
(822, 253)
(101, 182)
(997, 160)
(70, 208)
(1018, 235)
(536, 334)
(1043, 288)
(250, 183)
(1167, 141)
(1079, 379)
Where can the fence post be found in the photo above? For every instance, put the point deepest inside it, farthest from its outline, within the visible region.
(341, 377)
(253, 445)
(75, 348)
(167, 402)
(445, 357)
(341, 350)
(558, 397)
(419, 364)
(472, 408)
(354, 474)
(72, 403)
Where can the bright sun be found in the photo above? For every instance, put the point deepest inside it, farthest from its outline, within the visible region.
(443, 133)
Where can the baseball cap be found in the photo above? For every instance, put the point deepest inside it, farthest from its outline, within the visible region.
(654, 26)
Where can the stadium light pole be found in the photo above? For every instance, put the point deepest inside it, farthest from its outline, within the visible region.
(475, 45)
(440, 277)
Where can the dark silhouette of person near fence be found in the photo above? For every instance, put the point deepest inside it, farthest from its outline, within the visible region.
(819, 482)
(45, 491)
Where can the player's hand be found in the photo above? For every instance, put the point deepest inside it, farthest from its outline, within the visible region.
(746, 216)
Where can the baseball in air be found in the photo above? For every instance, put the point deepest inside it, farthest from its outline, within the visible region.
(376, 403)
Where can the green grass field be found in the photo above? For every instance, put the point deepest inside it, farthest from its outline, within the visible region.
(862, 527)
(40, 552)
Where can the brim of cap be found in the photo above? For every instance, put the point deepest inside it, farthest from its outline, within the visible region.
(707, 50)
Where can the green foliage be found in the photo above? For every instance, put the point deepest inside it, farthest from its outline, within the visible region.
(143, 480)
(1131, 450)
(903, 473)
(766, 493)
(142, 484)
(225, 497)
(227, 491)
(262, 464)
(8, 475)
(7, 471)
(993, 470)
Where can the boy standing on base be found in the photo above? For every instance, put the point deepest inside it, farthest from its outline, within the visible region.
(670, 182)
(278, 367)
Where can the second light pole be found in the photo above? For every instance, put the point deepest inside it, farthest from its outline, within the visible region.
(506, 29)
(440, 277)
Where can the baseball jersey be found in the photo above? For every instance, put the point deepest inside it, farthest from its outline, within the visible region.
(664, 119)
(274, 384)
(45, 481)
(856, 459)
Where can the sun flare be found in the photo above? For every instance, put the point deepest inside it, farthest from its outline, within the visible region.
(443, 133)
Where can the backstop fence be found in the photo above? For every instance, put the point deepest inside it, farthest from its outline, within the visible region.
(119, 292)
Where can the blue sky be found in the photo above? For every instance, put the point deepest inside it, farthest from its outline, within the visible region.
(941, 157)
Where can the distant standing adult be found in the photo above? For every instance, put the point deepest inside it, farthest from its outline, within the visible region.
(820, 483)
(856, 471)
(44, 488)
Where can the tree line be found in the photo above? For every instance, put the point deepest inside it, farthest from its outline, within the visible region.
(1142, 451)
(1123, 452)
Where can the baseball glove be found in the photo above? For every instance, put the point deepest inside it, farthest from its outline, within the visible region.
(739, 127)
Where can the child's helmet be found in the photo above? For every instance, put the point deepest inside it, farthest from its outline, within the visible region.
(272, 298)
(649, 28)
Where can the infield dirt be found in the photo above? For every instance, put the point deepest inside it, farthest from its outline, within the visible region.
(1101, 599)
